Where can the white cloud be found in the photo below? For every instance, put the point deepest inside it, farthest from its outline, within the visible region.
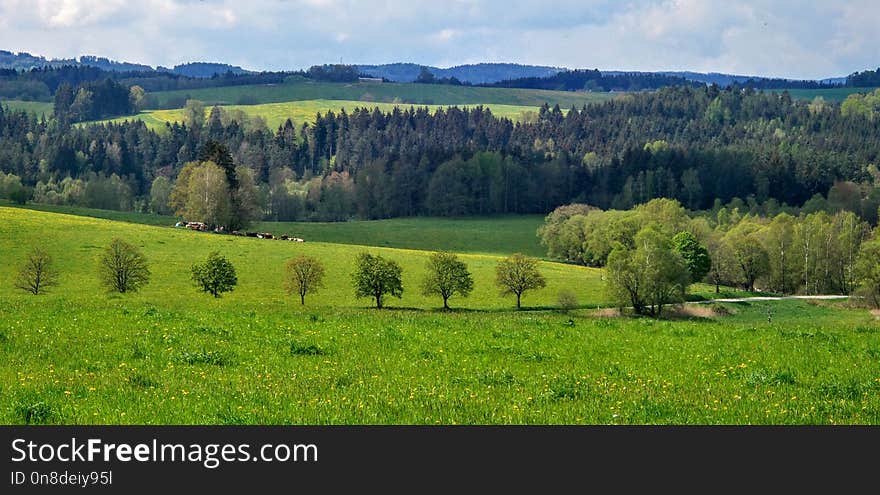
(768, 37)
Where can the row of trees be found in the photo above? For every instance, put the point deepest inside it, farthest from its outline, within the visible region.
(653, 252)
(123, 268)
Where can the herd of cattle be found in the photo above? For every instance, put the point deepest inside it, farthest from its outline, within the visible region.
(202, 227)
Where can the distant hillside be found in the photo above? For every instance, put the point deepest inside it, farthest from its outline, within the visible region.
(204, 69)
(471, 73)
(26, 61)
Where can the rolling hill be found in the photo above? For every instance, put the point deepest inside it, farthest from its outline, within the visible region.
(297, 88)
(304, 111)
(171, 355)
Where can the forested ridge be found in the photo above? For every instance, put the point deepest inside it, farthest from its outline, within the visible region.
(697, 145)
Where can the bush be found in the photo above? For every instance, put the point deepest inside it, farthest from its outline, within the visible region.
(567, 300)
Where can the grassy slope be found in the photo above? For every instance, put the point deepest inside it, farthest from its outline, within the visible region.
(473, 235)
(304, 111)
(385, 92)
(498, 235)
(37, 107)
(80, 356)
(76, 241)
(835, 94)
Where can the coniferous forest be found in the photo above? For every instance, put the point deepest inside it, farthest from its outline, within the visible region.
(702, 146)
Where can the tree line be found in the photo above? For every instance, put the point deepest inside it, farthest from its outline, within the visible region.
(653, 252)
(695, 145)
(595, 80)
(123, 268)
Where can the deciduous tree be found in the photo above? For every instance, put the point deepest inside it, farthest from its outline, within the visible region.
(215, 276)
(375, 276)
(446, 276)
(517, 274)
(123, 268)
(303, 275)
(37, 273)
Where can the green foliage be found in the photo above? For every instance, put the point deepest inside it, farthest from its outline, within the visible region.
(564, 239)
(375, 276)
(123, 268)
(648, 277)
(446, 276)
(160, 194)
(215, 276)
(567, 300)
(695, 255)
(867, 269)
(517, 274)
(38, 273)
(748, 254)
(866, 106)
(303, 275)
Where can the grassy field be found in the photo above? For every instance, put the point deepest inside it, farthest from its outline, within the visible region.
(406, 93)
(304, 111)
(497, 235)
(835, 94)
(171, 355)
(37, 107)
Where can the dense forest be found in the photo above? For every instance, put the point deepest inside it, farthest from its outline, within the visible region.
(594, 80)
(41, 84)
(702, 146)
(864, 79)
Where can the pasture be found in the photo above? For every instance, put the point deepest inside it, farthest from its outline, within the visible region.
(833, 94)
(299, 89)
(304, 111)
(171, 355)
(487, 235)
(39, 108)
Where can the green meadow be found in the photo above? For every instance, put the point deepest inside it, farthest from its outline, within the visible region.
(172, 355)
(37, 107)
(487, 235)
(833, 94)
(304, 111)
(297, 89)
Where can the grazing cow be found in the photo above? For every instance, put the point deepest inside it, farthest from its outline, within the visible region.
(284, 237)
(297, 239)
(252, 234)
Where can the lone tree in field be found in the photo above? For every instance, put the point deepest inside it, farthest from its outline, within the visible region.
(303, 275)
(447, 276)
(123, 268)
(215, 276)
(375, 276)
(517, 274)
(37, 274)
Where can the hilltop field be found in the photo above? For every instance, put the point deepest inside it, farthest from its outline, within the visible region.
(304, 111)
(172, 355)
(298, 89)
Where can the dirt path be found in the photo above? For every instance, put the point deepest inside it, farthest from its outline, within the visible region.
(771, 298)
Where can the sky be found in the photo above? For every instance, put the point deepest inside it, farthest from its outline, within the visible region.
(804, 39)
